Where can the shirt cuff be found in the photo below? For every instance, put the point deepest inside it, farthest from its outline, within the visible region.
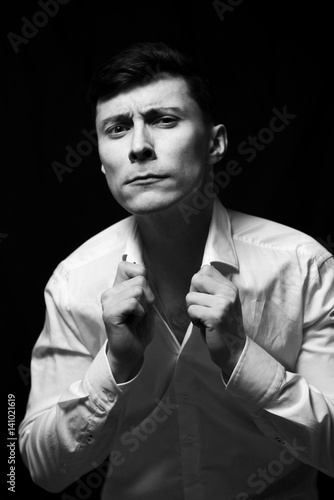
(257, 377)
(100, 384)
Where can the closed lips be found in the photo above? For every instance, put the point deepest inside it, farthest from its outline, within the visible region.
(139, 178)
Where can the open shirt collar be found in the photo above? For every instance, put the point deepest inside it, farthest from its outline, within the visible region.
(219, 248)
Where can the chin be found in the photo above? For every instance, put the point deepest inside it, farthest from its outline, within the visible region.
(150, 203)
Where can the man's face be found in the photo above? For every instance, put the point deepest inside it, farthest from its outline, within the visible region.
(153, 144)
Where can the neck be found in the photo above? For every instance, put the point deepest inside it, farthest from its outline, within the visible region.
(173, 247)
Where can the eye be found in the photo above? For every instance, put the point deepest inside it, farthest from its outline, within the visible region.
(166, 121)
(117, 130)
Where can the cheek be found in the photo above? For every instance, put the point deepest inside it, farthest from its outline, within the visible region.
(189, 154)
(112, 162)
(108, 158)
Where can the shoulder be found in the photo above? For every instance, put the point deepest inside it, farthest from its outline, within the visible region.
(105, 244)
(269, 236)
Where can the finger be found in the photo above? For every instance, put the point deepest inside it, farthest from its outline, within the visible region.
(207, 270)
(127, 270)
(198, 314)
(211, 281)
(200, 299)
(205, 284)
(225, 304)
(136, 287)
(135, 284)
(122, 310)
(142, 282)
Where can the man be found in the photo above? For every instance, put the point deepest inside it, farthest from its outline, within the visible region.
(197, 353)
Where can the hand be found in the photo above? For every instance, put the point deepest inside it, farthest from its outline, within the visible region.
(214, 306)
(126, 317)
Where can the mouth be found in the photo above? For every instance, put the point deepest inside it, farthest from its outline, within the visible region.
(146, 179)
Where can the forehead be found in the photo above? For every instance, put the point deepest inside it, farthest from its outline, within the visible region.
(167, 91)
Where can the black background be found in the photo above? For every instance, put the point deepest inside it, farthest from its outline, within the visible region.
(262, 55)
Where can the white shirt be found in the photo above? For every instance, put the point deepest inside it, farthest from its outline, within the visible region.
(177, 430)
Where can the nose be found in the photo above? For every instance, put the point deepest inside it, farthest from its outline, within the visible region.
(141, 145)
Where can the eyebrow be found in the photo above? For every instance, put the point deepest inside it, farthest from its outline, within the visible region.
(149, 113)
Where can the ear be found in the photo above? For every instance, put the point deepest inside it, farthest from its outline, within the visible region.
(103, 169)
(218, 144)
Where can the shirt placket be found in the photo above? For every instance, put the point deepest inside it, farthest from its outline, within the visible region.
(189, 430)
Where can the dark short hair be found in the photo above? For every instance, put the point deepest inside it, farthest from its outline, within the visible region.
(143, 62)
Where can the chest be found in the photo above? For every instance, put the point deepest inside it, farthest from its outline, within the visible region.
(175, 314)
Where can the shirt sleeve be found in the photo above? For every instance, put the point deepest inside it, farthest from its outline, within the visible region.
(296, 409)
(74, 401)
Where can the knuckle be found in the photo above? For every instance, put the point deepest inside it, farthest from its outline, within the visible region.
(233, 289)
(218, 314)
(197, 279)
(150, 298)
(234, 296)
(122, 266)
(189, 298)
(105, 296)
(219, 311)
(229, 294)
(190, 309)
(133, 303)
(140, 280)
(138, 292)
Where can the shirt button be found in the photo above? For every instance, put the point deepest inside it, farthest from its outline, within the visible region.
(190, 439)
(185, 397)
(89, 439)
(111, 397)
(279, 440)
